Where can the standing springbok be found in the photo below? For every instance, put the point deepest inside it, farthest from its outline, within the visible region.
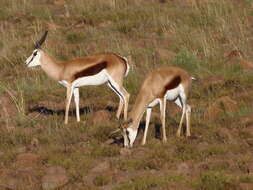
(104, 68)
(165, 83)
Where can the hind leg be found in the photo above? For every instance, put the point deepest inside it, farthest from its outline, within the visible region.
(123, 95)
(188, 116)
(162, 115)
(126, 101)
(181, 103)
(76, 98)
(120, 107)
(68, 101)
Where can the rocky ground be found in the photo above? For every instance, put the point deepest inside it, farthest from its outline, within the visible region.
(212, 39)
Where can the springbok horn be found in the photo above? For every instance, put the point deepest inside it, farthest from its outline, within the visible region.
(40, 42)
(115, 131)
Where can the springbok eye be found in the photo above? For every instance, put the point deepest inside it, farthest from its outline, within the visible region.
(35, 53)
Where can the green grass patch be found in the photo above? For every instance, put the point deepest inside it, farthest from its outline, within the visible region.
(215, 181)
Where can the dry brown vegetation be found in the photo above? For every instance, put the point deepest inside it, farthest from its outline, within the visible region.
(212, 39)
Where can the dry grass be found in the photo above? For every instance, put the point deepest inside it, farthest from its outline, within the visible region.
(199, 36)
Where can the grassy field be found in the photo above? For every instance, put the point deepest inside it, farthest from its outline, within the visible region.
(212, 39)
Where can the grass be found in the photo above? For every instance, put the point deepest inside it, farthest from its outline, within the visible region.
(200, 36)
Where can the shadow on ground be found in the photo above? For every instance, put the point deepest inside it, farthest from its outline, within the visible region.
(83, 110)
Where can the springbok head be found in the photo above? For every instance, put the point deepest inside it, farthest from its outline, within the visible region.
(128, 132)
(34, 59)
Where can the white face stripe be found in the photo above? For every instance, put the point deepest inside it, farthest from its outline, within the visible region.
(34, 59)
(129, 136)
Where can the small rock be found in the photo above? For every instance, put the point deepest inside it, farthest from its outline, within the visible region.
(109, 3)
(9, 183)
(35, 142)
(211, 81)
(101, 167)
(7, 106)
(125, 152)
(222, 104)
(173, 110)
(27, 162)
(56, 177)
(250, 168)
(212, 113)
(56, 170)
(100, 117)
(109, 141)
(246, 65)
(184, 168)
(28, 157)
(59, 2)
(246, 186)
(21, 149)
(229, 104)
(249, 129)
(185, 3)
(202, 146)
(237, 57)
(165, 54)
(16, 179)
(227, 134)
(247, 120)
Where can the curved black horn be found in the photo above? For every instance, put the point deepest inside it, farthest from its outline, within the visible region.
(41, 40)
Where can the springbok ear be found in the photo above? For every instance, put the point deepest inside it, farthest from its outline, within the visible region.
(40, 41)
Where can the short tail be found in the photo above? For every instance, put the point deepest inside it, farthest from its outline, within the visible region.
(127, 64)
(193, 78)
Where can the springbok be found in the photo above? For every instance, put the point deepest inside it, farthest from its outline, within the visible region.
(98, 69)
(165, 83)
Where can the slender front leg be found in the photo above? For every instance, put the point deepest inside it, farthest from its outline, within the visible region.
(181, 121)
(148, 115)
(163, 111)
(188, 117)
(126, 100)
(76, 98)
(68, 100)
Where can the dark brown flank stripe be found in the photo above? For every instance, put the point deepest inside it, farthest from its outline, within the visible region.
(173, 83)
(91, 70)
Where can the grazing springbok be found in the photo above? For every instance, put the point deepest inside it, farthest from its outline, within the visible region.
(165, 83)
(98, 69)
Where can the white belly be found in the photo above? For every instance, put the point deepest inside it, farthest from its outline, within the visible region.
(98, 79)
(174, 93)
(154, 103)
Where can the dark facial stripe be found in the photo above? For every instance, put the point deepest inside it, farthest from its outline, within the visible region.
(127, 134)
(91, 70)
(31, 60)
